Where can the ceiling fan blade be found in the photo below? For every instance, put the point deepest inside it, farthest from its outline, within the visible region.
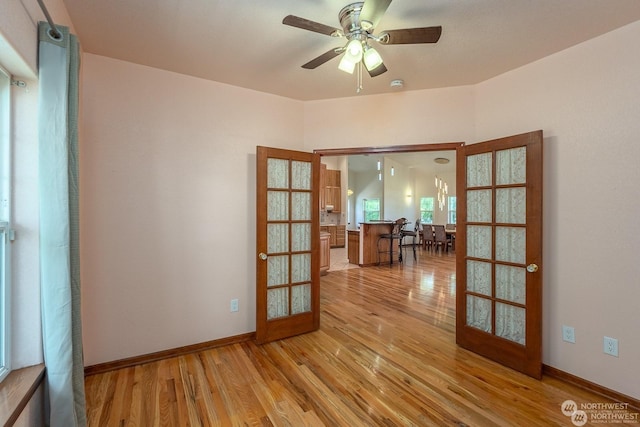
(372, 10)
(314, 63)
(411, 35)
(380, 69)
(305, 24)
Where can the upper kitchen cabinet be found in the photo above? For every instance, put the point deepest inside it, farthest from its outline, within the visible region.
(323, 180)
(332, 190)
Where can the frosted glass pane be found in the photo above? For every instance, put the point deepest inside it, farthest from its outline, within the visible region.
(300, 299)
(510, 322)
(277, 238)
(479, 313)
(301, 206)
(300, 268)
(511, 166)
(277, 270)
(277, 206)
(300, 237)
(479, 277)
(277, 303)
(511, 205)
(479, 170)
(301, 175)
(277, 173)
(511, 283)
(479, 206)
(479, 241)
(511, 244)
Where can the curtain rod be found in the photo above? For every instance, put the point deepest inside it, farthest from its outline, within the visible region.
(54, 31)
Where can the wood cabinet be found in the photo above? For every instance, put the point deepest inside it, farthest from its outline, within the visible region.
(325, 253)
(323, 185)
(340, 236)
(353, 246)
(336, 235)
(332, 189)
(332, 178)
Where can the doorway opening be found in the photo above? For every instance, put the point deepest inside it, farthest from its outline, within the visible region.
(399, 180)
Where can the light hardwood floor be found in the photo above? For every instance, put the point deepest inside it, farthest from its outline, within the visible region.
(385, 354)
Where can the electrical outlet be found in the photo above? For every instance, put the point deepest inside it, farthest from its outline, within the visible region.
(234, 305)
(568, 334)
(611, 346)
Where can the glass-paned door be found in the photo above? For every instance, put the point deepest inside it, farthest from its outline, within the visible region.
(499, 237)
(288, 243)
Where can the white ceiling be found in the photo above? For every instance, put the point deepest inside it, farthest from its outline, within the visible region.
(244, 43)
(420, 160)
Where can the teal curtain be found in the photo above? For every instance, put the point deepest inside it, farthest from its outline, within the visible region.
(58, 67)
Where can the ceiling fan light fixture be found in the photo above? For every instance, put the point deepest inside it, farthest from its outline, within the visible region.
(372, 58)
(354, 48)
(346, 64)
(352, 55)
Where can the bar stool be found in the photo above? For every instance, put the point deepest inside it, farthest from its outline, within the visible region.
(395, 234)
(414, 234)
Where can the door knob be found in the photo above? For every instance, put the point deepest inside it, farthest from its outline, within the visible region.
(262, 256)
(532, 268)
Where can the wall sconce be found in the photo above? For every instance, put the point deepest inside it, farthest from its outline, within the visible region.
(349, 192)
(393, 171)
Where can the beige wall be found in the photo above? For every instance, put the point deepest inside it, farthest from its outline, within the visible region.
(587, 101)
(167, 205)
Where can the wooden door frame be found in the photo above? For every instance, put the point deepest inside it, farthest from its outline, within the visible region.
(391, 149)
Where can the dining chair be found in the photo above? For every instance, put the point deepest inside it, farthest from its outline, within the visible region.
(427, 236)
(440, 238)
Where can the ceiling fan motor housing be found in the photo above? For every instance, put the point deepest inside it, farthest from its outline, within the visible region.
(349, 18)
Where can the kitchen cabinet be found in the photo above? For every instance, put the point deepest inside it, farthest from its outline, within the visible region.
(323, 179)
(325, 253)
(340, 236)
(336, 235)
(332, 178)
(353, 247)
(332, 189)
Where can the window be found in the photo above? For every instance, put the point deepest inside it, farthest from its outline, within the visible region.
(371, 208)
(452, 210)
(5, 168)
(426, 210)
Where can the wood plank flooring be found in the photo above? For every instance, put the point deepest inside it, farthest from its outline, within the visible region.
(385, 355)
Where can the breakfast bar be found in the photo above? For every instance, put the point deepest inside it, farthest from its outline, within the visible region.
(369, 233)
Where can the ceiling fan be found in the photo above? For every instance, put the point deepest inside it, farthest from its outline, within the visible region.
(359, 21)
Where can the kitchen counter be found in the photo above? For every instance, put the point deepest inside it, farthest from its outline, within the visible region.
(368, 242)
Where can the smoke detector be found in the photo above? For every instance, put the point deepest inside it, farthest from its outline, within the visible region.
(398, 83)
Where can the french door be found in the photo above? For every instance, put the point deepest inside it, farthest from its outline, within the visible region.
(499, 245)
(287, 243)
